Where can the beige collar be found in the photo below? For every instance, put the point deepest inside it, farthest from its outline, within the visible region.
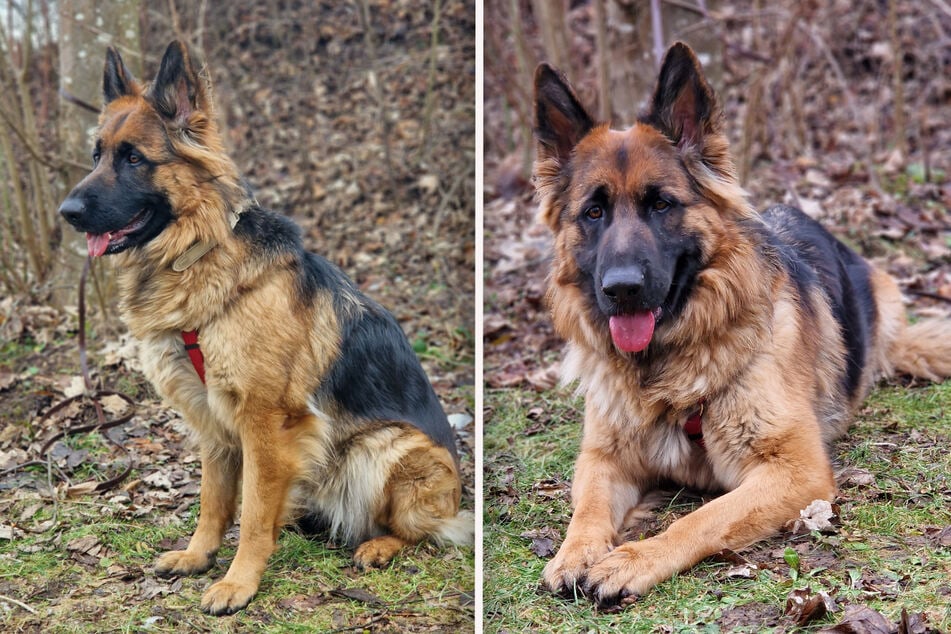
(196, 251)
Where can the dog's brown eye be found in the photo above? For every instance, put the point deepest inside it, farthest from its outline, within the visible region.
(661, 205)
(593, 213)
(134, 159)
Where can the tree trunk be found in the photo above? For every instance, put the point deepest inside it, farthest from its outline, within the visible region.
(87, 28)
(550, 15)
(630, 53)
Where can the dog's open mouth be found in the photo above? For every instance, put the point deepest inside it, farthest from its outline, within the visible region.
(115, 241)
(633, 332)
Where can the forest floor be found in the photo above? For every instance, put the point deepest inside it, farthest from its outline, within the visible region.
(365, 137)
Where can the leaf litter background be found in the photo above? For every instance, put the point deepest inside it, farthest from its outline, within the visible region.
(373, 155)
(833, 155)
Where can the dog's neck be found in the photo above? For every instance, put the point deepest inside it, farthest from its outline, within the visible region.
(196, 251)
(155, 297)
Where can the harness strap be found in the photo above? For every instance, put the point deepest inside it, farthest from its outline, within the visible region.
(194, 352)
(694, 426)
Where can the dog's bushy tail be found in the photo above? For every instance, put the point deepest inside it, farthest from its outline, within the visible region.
(923, 349)
(459, 530)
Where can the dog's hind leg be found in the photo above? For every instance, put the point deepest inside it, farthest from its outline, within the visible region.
(421, 500)
(218, 501)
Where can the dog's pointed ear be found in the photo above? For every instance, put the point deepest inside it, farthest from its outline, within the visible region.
(560, 119)
(117, 81)
(178, 89)
(684, 106)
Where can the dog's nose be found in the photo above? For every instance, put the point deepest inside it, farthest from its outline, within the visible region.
(72, 210)
(623, 284)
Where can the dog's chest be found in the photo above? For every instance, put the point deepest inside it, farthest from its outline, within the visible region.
(208, 410)
(663, 442)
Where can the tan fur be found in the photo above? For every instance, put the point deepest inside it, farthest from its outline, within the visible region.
(765, 368)
(265, 353)
(921, 349)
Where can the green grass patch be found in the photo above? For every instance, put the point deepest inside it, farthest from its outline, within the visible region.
(93, 573)
(884, 554)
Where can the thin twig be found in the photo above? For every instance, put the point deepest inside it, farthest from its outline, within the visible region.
(940, 298)
(4, 597)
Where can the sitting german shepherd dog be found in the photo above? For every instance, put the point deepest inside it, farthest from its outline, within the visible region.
(303, 390)
(716, 347)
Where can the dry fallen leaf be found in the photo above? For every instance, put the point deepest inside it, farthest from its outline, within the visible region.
(357, 594)
(88, 544)
(815, 517)
(83, 488)
(804, 605)
(543, 541)
(859, 619)
(114, 404)
(551, 488)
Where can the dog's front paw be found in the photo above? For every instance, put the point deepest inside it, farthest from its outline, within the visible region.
(182, 562)
(565, 573)
(227, 597)
(623, 574)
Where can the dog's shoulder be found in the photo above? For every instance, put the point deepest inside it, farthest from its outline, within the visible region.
(268, 233)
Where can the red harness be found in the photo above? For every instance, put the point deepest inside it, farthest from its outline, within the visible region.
(194, 352)
(694, 426)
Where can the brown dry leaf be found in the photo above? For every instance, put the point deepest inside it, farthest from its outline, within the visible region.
(7, 379)
(941, 536)
(83, 488)
(551, 488)
(303, 603)
(544, 379)
(855, 476)
(543, 547)
(543, 541)
(494, 325)
(859, 619)
(914, 624)
(88, 544)
(804, 605)
(508, 377)
(114, 404)
(357, 594)
(76, 387)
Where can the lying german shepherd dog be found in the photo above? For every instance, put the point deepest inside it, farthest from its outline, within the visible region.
(717, 347)
(301, 389)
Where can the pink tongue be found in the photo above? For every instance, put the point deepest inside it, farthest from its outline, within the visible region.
(97, 244)
(632, 333)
